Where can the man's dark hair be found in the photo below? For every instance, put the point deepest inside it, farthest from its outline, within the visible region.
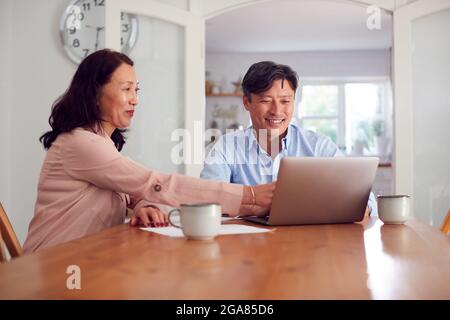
(261, 75)
(78, 106)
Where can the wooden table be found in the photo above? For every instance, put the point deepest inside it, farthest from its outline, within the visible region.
(366, 260)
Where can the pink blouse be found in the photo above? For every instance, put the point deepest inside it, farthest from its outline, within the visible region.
(84, 183)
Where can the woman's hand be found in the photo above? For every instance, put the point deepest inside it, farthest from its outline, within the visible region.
(259, 202)
(150, 216)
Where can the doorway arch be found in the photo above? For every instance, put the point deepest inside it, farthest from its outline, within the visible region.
(212, 9)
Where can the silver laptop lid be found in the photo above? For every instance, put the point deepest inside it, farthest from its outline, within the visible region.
(322, 190)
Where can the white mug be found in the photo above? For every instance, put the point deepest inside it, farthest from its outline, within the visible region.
(394, 209)
(199, 221)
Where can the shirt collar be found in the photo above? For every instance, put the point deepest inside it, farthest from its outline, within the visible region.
(251, 137)
(284, 142)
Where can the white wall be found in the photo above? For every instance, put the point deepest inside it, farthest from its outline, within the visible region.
(36, 73)
(373, 63)
(181, 4)
(5, 98)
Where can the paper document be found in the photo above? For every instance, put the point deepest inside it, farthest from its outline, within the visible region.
(224, 229)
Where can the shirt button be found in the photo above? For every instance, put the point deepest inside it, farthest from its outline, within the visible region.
(157, 187)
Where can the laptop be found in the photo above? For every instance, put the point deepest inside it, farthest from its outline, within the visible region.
(320, 190)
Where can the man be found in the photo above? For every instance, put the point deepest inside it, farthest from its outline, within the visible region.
(253, 156)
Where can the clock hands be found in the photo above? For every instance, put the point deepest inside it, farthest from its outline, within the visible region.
(98, 29)
(96, 37)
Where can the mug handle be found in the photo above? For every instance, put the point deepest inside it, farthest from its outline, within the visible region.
(170, 213)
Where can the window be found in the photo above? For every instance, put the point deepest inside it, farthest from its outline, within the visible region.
(355, 115)
(319, 110)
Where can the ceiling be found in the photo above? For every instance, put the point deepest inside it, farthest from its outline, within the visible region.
(293, 25)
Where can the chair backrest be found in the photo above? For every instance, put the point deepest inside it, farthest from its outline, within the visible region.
(9, 237)
(445, 228)
(2, 250)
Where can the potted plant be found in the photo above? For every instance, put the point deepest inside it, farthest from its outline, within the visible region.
(361, 138)
(379, 130)
(359, 145)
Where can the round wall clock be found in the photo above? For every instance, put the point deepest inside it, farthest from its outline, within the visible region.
(82, 29)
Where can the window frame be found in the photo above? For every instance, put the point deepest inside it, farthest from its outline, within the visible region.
(341, 115)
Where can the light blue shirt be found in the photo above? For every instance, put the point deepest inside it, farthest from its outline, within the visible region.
(238, 158)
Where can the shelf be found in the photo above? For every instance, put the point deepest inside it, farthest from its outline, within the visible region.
(225, 95)
(385, 165)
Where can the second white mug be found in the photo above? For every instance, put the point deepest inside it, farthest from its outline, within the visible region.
(393, 209)
(198, 221)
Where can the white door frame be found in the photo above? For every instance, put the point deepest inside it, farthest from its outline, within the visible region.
(403, 95)
(194, 77)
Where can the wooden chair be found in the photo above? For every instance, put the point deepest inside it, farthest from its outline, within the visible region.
(2, 250)
(445, 228)
(8, 237)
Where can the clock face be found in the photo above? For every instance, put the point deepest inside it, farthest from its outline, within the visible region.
(83, 29)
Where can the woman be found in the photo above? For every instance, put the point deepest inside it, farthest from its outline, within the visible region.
(86, 185)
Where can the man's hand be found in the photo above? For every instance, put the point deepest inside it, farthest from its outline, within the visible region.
(259, 202)
(150, 216)
(249, 210)
(264, 194)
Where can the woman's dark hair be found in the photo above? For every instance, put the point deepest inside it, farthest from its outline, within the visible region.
(78, 106)
(261, 75)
